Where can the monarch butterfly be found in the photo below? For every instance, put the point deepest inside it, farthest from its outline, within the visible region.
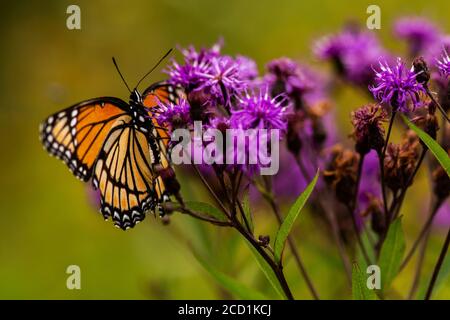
(118, 145)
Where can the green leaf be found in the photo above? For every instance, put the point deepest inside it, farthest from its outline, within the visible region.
(206, 209)
(440, 154)
(238, 289)
(292, 215)
(360, 291)
(247, 212)
(268, 272)
(391, 254)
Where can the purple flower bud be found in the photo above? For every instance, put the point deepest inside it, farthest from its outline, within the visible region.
(420, 68)
(368, 128)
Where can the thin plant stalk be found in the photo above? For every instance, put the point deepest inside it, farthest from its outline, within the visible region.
(383, 155)
(398, 201)
(383, 182)
(333, 223)
(419, 266)
(438, 266)
(236, 224)
(421, 235)
(202, 217)
(292, 246)
(352, 211)
(430, 95)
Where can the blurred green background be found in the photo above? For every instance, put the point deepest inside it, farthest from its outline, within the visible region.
(47, 222)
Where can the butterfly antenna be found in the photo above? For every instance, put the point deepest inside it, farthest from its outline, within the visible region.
(155, 66)
(120, 73)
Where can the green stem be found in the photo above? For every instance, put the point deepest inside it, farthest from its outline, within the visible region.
(438, 266)
(293, 249)
(250, 238)
(211, 191)
(419, 266)
(352, 211)
(332, 221)
(444, 114)
(202, 217)
(276, 269)
(383, 183)
(421, 235)
(397, 202)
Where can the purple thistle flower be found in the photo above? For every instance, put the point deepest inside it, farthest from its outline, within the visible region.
(248, 69)
(329, 47)
(189, 75)
(219, 122)
(444, 64)
(434, 51)
(285, 76)
(419, 32)
(174, 115)
(222, 79)
(397, 86)
(363, 51)
(218, 77)
(352, 51)
(191, 55)
(260, 111)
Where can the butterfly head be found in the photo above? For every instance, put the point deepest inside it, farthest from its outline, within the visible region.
(135, 97)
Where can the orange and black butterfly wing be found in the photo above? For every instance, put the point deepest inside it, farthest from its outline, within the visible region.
(125, 175)
(165, 93)
(76, 134)
(159, 92)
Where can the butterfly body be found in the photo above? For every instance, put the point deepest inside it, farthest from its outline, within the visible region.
(118, 146)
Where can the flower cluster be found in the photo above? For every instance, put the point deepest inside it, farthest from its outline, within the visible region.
(363, 180)
(218, 76)
(226, 92)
